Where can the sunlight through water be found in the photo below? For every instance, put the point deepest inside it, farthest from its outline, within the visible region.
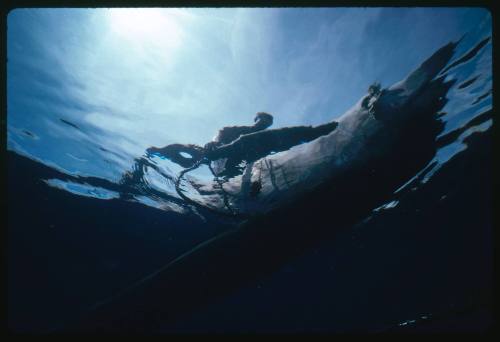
(147, 25)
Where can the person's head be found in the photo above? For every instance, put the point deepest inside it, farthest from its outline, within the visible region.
(374, 89)
(263, 120)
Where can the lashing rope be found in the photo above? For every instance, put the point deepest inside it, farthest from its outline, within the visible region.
(232, 212)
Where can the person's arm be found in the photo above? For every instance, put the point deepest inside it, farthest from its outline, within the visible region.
(325, 128)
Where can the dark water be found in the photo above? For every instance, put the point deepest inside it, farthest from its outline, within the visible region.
(420, 262)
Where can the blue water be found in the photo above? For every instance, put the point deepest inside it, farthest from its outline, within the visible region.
(90, 213)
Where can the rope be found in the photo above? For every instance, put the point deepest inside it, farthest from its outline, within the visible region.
(232, 213)
(224, 193)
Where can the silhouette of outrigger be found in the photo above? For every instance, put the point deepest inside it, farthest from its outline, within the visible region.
(243, 143)
(234, 145)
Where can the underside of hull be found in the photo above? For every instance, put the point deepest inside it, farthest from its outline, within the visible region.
(307, 194)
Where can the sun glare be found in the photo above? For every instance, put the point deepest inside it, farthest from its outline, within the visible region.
(144, 25)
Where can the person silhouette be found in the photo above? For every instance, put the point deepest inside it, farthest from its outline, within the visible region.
(225, 136)
(234, 144)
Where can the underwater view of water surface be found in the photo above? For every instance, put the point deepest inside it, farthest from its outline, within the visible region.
(285, 170)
